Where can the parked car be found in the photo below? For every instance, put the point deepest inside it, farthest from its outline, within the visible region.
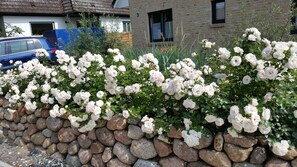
(23, 49)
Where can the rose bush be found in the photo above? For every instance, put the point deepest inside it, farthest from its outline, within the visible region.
(248, 89)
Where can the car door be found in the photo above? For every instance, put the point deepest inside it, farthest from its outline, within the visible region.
(22, 50)
(4, 58)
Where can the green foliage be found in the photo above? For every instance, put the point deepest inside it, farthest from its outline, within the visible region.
(92, 37)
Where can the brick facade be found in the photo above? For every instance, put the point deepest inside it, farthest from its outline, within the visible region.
(192, 19)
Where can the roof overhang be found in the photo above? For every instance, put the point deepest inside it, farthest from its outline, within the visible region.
(120, 4)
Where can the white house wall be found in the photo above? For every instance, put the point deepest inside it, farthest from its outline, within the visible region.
(24, 22)
(113, 24)
(109, 23)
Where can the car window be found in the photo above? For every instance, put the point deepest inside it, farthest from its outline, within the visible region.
(37, 44)
(31, 45)
(18, 46)
(2, 48)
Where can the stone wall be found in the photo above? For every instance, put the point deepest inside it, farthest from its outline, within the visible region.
(192, 19)
(121, 143)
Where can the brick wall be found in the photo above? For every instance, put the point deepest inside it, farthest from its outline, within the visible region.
(192, 18)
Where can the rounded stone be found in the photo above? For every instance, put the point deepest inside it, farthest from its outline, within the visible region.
(32, 119)
(236, 153)
(143, 149)
(274, 162)
(184, 152)
(84, 156)
(163, 149)
(46, 143)
(242, 141)
(135, 132)
(205, 141)
(54, 124)
(123, 153)
(258, 155)
(122, 136)
(92, 135)
(107, 154)
(174, 133)
(117, 123)
(116, 163)
(62, 148)
(73, 148)
(66, 135)
(47, 133)
(214, 158)
(105, 136)
(40, 124)
(97, 148)
(32, 129)
(37, 138)
(97, 161)
(83, 141)
(172, 161)
(218, 142)
(73, 161)
(51, 149)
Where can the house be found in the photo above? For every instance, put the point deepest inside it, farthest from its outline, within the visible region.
(35, 17)
(167, 22)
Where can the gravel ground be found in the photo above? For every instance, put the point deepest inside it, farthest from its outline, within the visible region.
(20, 156)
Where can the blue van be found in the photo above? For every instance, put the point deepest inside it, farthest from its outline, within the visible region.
(23, 49)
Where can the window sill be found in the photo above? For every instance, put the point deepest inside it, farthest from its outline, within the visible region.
(218, 25)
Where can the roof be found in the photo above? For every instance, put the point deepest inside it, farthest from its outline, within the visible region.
(17, 38)
(60, 7)
(31, 7)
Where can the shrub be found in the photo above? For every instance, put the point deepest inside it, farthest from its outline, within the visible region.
(249, 89)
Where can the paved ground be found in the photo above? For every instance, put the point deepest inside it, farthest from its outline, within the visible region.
(17, 156)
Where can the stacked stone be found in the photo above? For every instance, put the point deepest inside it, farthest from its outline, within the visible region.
(119, 143)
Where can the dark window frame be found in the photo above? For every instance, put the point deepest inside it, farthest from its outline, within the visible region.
(214, 12)
(42, 23)
(293, 19)
(162, 15)
(126, 26)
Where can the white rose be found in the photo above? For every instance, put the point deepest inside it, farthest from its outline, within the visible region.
(249, 126)
(197, 90)
(266, 114)
(210, 118)
(126, 114)
(251, 58)
(219, 122)
(266, 52)
(238, 50)
(264, 129)
(271, 73)
(295, 113)
(268, 96)
(100, 94)
(279, 55)
(246, 79)
(189, 103)
(292, 62)
(122, 68)
(235, 61)
(252, 37)
(224, 53)
(280, 148)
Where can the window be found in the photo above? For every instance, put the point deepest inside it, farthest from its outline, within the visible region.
(22, 45)
(161, 26)
(126, 26)
(40, 28)
(218, 11)
(2, 49)
(294, 19)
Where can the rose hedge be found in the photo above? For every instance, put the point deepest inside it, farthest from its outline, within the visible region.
(248, 89)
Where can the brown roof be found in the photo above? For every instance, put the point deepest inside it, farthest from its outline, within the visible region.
(96, 6)
(31, 6)
(59, 7)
